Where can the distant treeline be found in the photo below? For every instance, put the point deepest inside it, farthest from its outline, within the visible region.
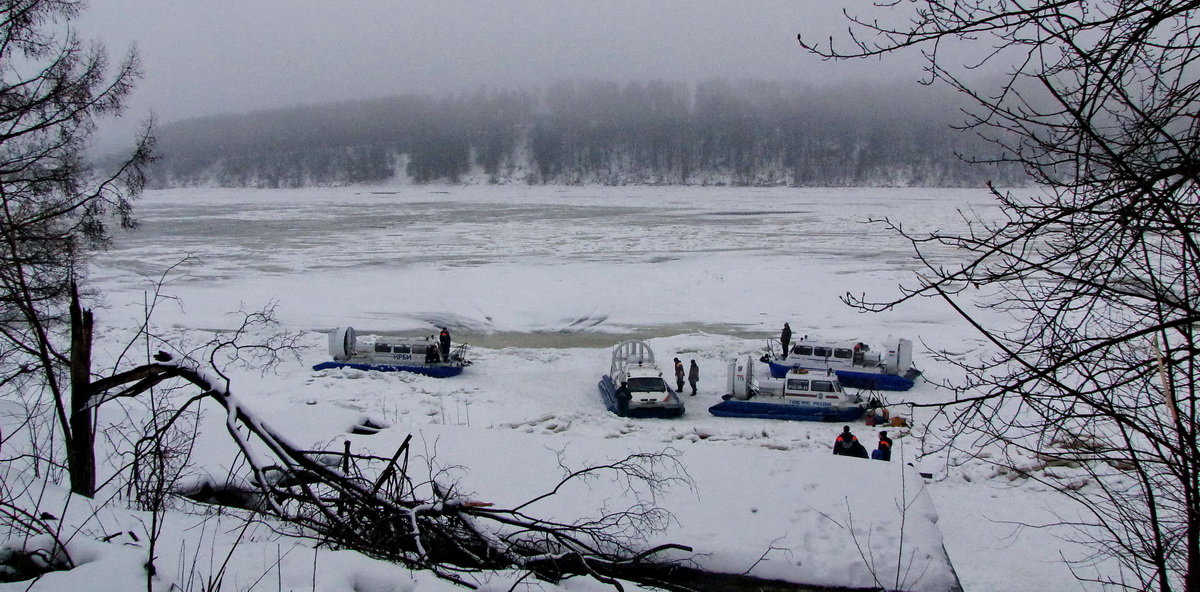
(717, 132)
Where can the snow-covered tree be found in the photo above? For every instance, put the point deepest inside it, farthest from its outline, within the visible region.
(54, 207)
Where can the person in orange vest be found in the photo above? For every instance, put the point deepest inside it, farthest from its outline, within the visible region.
(847, 444)
(884, 452)
(679, 376)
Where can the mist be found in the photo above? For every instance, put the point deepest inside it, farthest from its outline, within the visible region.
(206, 57)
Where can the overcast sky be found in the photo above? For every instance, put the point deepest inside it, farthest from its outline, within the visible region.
(212, 56)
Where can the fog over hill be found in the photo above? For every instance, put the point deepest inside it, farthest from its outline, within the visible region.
(654, 133)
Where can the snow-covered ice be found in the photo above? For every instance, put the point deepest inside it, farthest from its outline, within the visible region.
(542, 281)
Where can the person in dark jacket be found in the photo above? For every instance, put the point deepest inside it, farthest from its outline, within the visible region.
(678, 376)
(623, 399)
(693, 376)
(847, 444)
(431, 354)
(444, 342)
(785, 338)
(884, 452)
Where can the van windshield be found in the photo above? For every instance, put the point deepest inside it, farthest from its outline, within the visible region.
(649, 384)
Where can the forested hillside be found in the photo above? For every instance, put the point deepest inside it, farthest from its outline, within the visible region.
(717, 132)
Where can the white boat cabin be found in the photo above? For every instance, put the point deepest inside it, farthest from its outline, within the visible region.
(344, 346)
(895, 358)
(799, 386)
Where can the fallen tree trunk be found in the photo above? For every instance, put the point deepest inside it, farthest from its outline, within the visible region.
(336, 499)
(383, 517)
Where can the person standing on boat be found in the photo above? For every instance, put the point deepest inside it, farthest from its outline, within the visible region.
(678, 376)
(693, 376)
(444, 342)
(785, 338)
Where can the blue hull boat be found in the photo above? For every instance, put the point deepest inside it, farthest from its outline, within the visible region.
(394, 354)
(765, 410)
(799, 396)
(434, 371)
(669, 409)
(634, 386)
(856, 364)
(876, 381)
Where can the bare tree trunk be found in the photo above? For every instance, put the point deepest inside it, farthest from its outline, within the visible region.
(81, 457)
(1192, 578)
(1098, 106)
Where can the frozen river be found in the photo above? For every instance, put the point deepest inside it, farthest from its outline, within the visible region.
(516, 265)
(545, 280)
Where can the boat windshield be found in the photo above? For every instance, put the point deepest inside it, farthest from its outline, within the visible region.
(649, 384)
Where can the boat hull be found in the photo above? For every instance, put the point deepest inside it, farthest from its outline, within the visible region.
(608, 391)
(769, 410)
(859, 379)
(438, 371)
